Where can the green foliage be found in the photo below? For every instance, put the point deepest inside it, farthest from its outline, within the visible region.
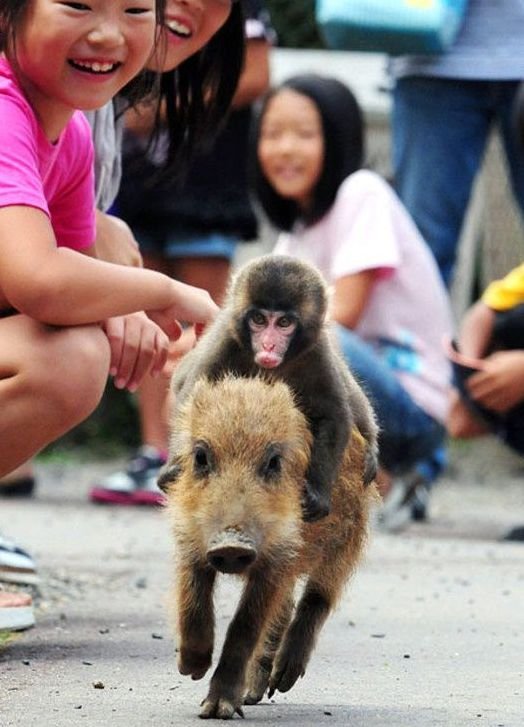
(294, 22)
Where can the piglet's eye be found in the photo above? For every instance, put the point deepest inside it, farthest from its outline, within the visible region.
(202, 459)
(271, 466)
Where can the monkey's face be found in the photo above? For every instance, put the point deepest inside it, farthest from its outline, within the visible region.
(271, 333)
(277, 308)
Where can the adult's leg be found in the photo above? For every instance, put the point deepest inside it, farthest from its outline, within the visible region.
(50, 380)
(407, 433)
(439, 133)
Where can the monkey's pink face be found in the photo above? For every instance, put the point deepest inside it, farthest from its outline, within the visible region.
(271, 334)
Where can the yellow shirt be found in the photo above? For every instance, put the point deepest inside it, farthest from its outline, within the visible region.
(506, 293)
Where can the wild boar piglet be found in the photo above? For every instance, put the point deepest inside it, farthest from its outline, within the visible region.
(234, 494)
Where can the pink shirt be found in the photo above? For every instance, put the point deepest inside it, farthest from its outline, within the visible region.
(408, 313)
(55, 178)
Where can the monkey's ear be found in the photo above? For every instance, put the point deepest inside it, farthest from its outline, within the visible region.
(169, 475)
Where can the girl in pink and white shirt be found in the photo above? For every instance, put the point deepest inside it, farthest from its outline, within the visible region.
(389, 307)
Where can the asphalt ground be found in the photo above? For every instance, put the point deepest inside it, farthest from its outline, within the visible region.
(430, 631)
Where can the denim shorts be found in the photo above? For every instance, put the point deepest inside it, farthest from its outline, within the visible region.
(408, 434)
(173, 245)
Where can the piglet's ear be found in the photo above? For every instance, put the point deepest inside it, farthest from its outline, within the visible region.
(169, 475)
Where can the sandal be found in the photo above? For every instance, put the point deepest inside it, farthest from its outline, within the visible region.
(16, 611)
(16, 565)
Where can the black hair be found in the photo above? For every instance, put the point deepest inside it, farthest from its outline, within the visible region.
(11, 15)
(343, 132)
(198, 94)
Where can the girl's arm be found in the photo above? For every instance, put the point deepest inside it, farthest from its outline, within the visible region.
(350, 297)
(476, 330)
(115, 242)
(62, 287)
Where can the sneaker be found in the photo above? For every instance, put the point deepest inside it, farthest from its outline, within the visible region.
(406, 501)
(16, 611)
(16, 565)
(137, 485)
(19, 483)
(18, 487)
(515, 535)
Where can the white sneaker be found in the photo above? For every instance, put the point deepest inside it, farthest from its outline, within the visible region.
(16, 611)
(16, 565)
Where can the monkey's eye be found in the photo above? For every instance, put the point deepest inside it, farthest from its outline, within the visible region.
(271, 466)
(286, 321)
(258, 318)
(203, 462)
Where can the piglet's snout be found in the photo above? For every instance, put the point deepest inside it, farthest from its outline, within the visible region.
(231, 552)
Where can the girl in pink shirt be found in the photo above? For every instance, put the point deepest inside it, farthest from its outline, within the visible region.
(66, 318)
(69, 319)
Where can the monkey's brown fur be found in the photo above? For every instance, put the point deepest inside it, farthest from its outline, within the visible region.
(236, 491)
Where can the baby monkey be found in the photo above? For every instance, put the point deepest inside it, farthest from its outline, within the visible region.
(274, 322)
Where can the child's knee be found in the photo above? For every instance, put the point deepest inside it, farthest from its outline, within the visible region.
(71, 371)
(83, 374)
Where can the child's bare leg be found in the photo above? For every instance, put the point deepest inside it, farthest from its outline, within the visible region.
(51, 379)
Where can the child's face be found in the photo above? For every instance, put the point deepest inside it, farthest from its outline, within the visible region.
(291, 146)
(73, 55)
(190, 24)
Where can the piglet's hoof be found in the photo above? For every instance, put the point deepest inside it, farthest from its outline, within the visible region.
(285, 674)
(220, 708)
(314, 506)
(193, 663)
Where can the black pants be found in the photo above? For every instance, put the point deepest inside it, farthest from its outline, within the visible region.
(508, 334)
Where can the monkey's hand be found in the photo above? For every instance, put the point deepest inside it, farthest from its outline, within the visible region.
(315, 505)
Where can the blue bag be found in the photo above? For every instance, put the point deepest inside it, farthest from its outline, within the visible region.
(390, 26)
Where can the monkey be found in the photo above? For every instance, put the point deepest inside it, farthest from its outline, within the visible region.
(275, 320)
(235, 508)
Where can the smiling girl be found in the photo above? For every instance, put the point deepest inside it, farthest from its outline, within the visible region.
(67, 319)
(60, 332)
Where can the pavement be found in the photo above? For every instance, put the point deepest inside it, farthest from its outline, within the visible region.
(430, 632)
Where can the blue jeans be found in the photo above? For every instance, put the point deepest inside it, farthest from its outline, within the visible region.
(408, 435)
(439, 132)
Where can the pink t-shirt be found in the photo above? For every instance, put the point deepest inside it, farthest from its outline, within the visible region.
(55, 178)
(408, 312)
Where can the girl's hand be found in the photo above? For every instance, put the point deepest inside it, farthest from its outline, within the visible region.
(138, 346)
(500, 384)
(191, 305)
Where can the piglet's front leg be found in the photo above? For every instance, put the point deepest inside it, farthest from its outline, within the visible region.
(195, 620)
(226, 690)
